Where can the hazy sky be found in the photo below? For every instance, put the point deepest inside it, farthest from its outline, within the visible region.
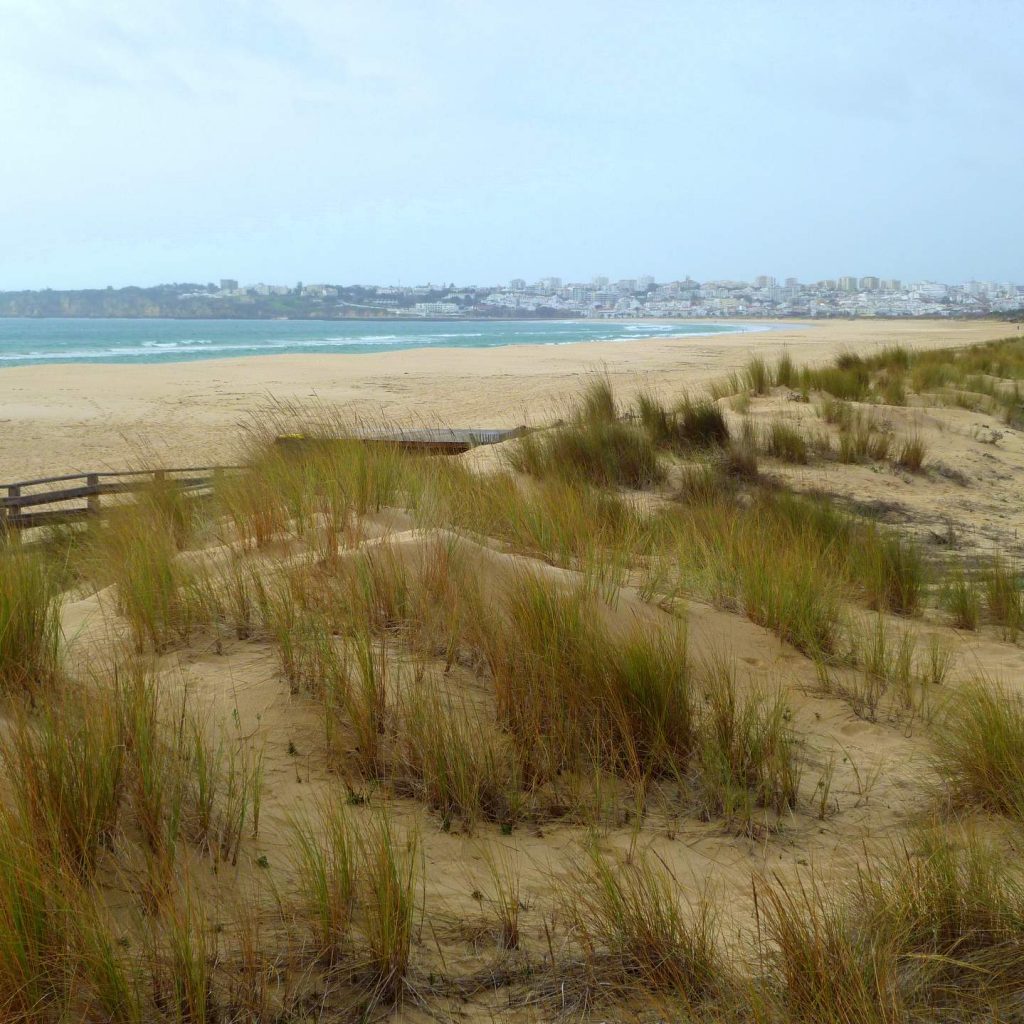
(452, 140)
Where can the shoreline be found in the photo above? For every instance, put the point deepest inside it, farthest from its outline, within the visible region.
(314, 346)
(70, 417)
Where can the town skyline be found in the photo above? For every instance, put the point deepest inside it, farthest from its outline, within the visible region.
(547, 297)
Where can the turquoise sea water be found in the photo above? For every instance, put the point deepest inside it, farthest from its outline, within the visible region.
(24, 341)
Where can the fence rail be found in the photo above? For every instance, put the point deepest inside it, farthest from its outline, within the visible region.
(60, 505)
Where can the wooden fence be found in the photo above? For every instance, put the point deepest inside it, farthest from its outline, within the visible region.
(81, 493)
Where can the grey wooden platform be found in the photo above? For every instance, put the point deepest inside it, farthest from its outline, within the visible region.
(444, 440)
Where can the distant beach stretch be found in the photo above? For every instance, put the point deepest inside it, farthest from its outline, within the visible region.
(29, 341)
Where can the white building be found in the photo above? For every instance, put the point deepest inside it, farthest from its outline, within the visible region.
(436, 308)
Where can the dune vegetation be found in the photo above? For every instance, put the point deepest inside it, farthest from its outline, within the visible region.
(638, 720)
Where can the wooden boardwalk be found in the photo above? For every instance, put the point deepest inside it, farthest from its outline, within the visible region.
(439, 440)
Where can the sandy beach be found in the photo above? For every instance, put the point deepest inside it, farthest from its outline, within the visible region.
(71, 418)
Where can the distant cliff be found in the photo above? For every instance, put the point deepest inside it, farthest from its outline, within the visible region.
(177, 300)
(189, 301)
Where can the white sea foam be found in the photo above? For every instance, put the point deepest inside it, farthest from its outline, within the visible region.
(65, 345)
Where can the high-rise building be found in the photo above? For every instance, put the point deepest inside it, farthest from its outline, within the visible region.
(869, 284)
(847, 284)
(645, 282)
(792, 282)
(599, 282)
(764, 281)
(891, 284)
(517, 284)
(228, 284)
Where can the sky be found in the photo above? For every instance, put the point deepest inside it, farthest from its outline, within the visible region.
(473, 141)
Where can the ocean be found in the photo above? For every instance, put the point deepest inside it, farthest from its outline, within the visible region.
(26, 341)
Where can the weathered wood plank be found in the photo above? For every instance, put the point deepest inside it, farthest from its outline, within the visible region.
(32, 520)
(93, 490)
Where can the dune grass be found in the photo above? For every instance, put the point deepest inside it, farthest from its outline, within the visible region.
(1004, 597)
(933, 931)
(693, 425)
(30, 630)
(634, 928)
(326, 862)
(748, 757)
(67, 769)
(911, 454)
(980, 749)
(593, 446)
(605, 453)
(456, 762)
(785, 441)
(962, 600)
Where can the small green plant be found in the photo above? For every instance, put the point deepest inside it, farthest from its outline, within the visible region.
(785, 442)
(1004, 600)
(758, 376)
(391, 867)
(980, 750)
(632, 923)
(892, 571)
(747, 756)
(326, 862)
(785, 371)
(912, 451)
(455, 762)
(961, 599)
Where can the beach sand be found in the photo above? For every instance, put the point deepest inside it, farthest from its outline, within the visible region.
(75, 418)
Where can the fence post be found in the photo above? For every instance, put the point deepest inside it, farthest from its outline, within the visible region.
(13, 510)
(92, 502)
